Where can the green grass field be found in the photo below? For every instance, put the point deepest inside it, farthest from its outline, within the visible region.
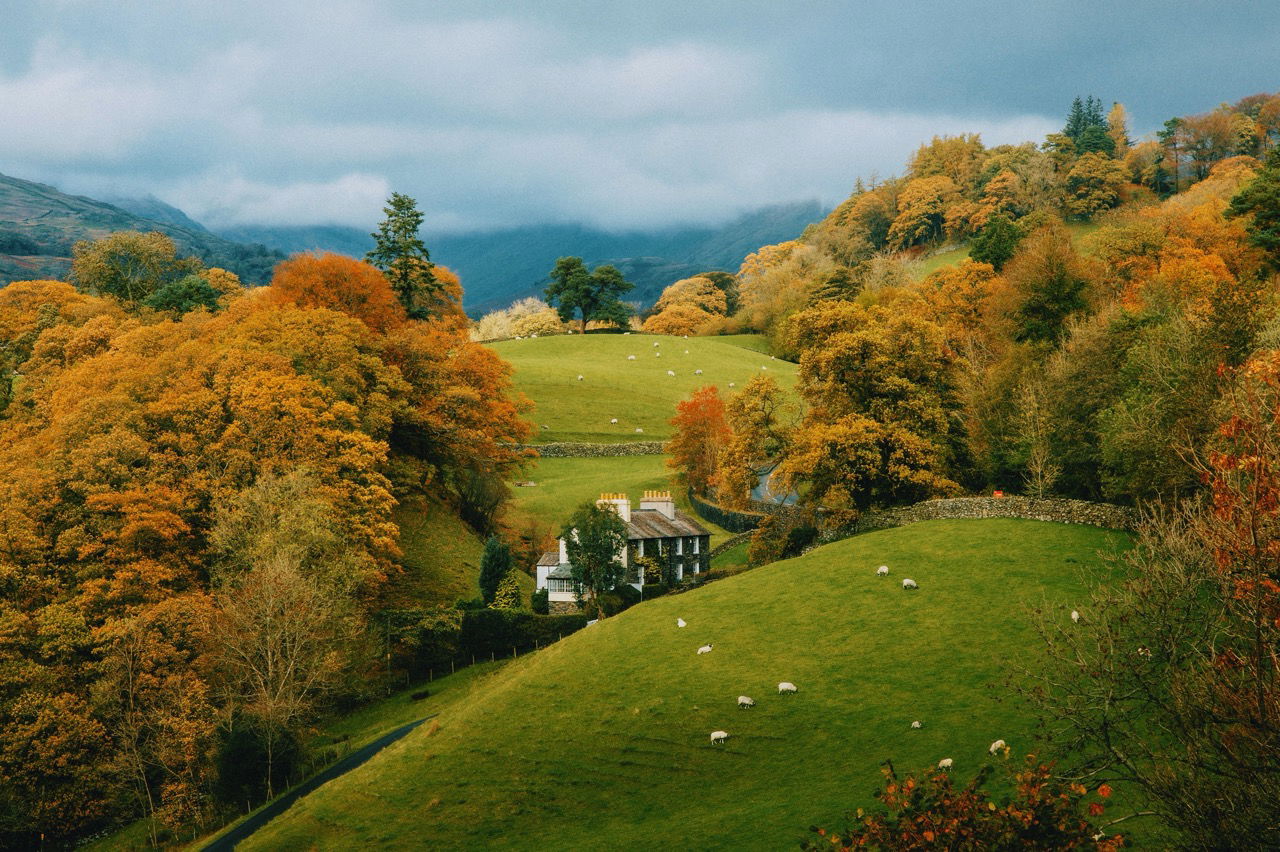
(754, 342)
(639, 393)
(601, 741)
(563, 484)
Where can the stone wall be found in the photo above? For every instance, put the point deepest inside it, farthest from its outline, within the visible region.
(570, 449)
(1055, 509)
(731, 542)
(733, 521)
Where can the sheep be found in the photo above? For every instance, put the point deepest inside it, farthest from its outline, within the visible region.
(733, 384)
(763, 367)
(657, 354)
(697, 372)
(680, 622)
(639, 431)
(719, 737)
(631, 357)
(545, 427)
(1075, 616)
(655, 343)
(745, 701)
(626, 334)
(671, 372)
(579, 377)
(613, 420)
(917, 725)
(786, 688)
(686, 351)
(686, 337)
(533, 336)
(996, 746)
(882, 571)
(909, 583)
(945, 763)
(705, 649)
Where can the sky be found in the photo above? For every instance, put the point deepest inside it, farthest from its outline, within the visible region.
(617, 115)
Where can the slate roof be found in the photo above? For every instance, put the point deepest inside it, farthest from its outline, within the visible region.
(560, 572)
(549, 558)
(650, 523)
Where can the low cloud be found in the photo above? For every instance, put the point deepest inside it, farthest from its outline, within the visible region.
(221, 200)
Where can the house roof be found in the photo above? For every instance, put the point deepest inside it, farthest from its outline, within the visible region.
(650, 523)
(549, 558)
(560, 572)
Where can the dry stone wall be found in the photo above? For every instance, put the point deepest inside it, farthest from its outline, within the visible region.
(1055, 509)
(572, 449)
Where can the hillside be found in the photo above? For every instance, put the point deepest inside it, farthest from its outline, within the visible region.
(39, 225)
(602, 739)
(638, 393)
(498, 267)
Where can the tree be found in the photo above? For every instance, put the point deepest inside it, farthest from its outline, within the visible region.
(996, 243)
(1093, 184)
(507, 595)
(1049, 279)
(594, 295)
(922, 208)
(1118, 129)
(1034, 428)
(129, 265)
(339, 283)
(1084, 116)
(1260, 201)
(402, 256)
(186, 294)
(700, 435)
(757, 437)
(595, 538)
(677, 319)
(495, 564)
(698, 292)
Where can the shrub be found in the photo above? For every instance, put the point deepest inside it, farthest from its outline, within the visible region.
(783, 535)
(540, 602)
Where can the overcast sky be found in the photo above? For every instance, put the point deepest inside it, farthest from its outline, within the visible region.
(615, 114)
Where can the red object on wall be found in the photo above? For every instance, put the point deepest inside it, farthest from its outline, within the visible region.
(997, 494)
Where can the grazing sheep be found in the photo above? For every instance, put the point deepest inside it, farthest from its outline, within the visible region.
(786, 688)
(671, 372)
(917, 725)
(631, 357)
(697, 372)
(655, 343)
(1075, 616)
(882, 571)
(534, 336)
(579, 377)
(945, 763)
(719, 736)
(639, 431)
(545, 426)
(613, 420)
(996, 746)
(732, 384)
(909, 583)
(686, 351)
(745, 701)
(680, 622)
(705, 649)
(626, 334)
(657, 354)
(763, 367)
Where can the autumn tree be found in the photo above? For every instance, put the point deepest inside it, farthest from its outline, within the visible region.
(758, 419)
(996, 243)
(922, 208)
(700, 436)
(1260, 201)
(680, 319)
(595, 538)
(593, 295)
(401, 255)
(1093, 185)
(129, 265)
(339, 283)
(1049, 279)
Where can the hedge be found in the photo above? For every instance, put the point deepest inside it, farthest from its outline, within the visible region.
(498, 631)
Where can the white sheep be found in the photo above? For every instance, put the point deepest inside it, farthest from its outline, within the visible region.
(680, 622)
(579, 377)
(917, 725)
(909, 583)
(626, 334)
(697, 372)
(631, 357)
(705, 649)
(786, 688)
(996, 746)
(639, 431)
(534, 336)
(655, 343)
(763, 367)
(545, 426)
(882, 571)
(719, 736)
(613, 420)
(733, 384)
(745, 701)
(686, 351)
(1075, 616)
(945, 763)
(671, 372)
(657, 354)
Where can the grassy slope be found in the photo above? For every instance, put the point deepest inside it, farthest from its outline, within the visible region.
(638, 393)
(601, 741)
(754, 342)
(931, 264)
(564, 484)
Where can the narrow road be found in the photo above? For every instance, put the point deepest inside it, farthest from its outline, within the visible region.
(228, 841)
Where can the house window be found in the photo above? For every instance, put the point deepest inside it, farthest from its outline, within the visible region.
(679, 547)
(559, 585)
(695, 546)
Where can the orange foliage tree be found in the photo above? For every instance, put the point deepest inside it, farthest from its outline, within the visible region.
(340, 283)
(701, 433)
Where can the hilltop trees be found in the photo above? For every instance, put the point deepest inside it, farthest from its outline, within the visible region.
(593, 295)
(340, 283)
(1260, 200)
(400, 254)
(129, 265)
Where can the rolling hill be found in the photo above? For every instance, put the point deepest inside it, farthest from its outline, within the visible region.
(498, 267)
(601, 741)
(638, 393)
(39, 225)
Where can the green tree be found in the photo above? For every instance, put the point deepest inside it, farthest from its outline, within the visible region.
(996, 243)
(592, 294)
(594, 538)
(495, 564)
(508, 593)
(1050, 278)
(129, 265)
(403, 258)
(185, 294)
(1260, 200)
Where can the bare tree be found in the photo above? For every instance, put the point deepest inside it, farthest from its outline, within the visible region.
(1034, 431)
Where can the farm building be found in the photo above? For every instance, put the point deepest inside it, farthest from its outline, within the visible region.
(656, 529)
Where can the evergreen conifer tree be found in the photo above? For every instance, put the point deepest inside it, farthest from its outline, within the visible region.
(403, 257)
(495, 564)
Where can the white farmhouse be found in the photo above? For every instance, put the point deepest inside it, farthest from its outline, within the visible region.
(655, 529)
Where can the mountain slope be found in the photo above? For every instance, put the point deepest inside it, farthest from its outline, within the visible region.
(39, 225)
(498, 267)
(601, 741)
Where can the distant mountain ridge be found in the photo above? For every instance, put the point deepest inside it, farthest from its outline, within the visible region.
(498, 267)
(39, 224)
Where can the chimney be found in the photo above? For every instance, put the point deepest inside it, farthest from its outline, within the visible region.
(661, 501)
(621, 504)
